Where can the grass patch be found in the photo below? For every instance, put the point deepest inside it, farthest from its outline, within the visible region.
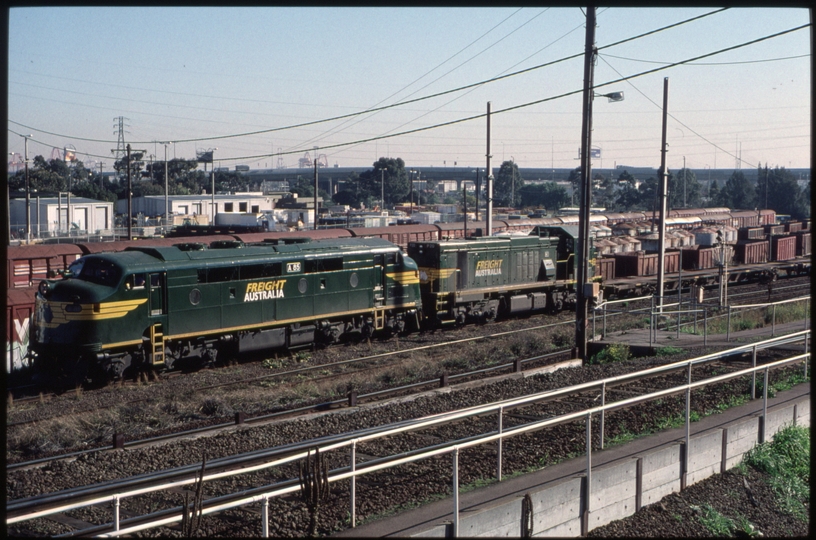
(716, 523)
(787, 460)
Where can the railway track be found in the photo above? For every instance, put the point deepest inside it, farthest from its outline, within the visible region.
(381, 490)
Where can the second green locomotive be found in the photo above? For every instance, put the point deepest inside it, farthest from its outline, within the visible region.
(476, 279)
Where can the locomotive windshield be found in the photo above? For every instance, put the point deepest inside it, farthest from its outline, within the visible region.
(96, 271)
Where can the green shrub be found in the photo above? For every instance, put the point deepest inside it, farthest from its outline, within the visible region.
(616, 352)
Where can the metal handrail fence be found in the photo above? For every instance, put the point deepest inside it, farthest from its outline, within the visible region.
(454, 447)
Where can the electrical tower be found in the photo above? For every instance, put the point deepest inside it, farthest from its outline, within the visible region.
(119, 123)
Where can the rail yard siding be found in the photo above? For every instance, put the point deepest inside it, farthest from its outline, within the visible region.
(557, 507)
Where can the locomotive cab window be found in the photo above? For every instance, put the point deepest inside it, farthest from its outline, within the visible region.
(97, 271)
(135, 281)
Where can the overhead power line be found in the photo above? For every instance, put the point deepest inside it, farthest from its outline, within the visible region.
(406, 102)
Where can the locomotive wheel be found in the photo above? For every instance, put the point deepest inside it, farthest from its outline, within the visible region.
(367, 330)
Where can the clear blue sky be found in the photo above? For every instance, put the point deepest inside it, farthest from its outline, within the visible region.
(180, 74)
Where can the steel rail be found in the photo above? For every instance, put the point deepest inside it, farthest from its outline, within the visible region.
(455, 447)
(293, 452)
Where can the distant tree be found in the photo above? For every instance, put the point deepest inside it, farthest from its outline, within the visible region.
(626, 177)
(738, 192)
(627, 198)
(304, 187)
(782, 192)
(604, 195)
(388, 176)
(548, 194)
(135, 162)
(714, 195)
(507, 185)
(649, 192)
(684, 189)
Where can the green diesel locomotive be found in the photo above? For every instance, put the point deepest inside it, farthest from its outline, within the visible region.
(474, 280)
(152, 306)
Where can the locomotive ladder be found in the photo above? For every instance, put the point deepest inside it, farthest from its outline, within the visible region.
(157, 344)
(379, 319)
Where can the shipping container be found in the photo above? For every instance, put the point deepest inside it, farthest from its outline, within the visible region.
(783, 248)
(751, 233)
(793, 226)
(767, 217)
(752, 252)
(774, 229)
(605, 267)
(803, 247)
(698, 259)
(640, 264)
(745, 218)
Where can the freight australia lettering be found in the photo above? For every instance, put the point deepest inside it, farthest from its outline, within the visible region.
(489, 268)
(264, 290)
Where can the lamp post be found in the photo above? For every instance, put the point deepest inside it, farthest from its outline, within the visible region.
(382, 190)
(27, 193)
(166, 186)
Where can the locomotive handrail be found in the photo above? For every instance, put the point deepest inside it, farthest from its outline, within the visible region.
(289, 453)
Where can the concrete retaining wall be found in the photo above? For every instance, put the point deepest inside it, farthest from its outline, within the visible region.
(620, 489)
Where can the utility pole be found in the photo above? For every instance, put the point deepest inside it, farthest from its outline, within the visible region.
(478, 187)
(489, 179)
(28, 193)
(513, 182)
(382, 190)
(130, 198)
(582, 251)
(315, 191)
(166, 186)
(664, 188)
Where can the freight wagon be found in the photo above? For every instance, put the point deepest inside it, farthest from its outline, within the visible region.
(27, 267)
(783, 248)
(751, 252)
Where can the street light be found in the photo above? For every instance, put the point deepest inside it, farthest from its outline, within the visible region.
(613, 96)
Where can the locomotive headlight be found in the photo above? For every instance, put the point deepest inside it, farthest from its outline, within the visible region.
(44, 288)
